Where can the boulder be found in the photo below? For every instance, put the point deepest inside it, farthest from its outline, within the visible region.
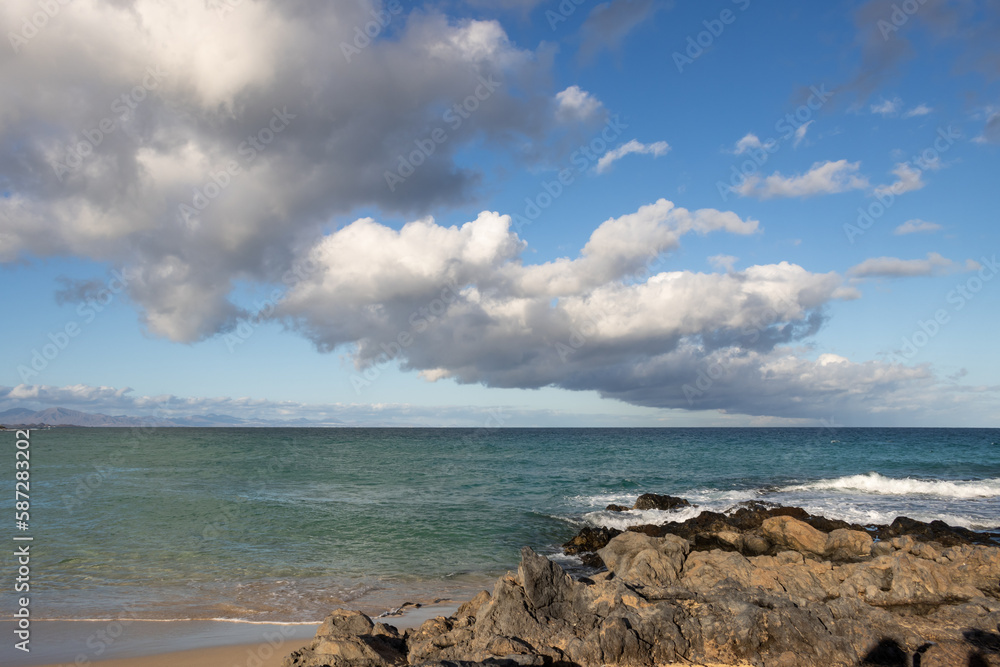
(590, 540)
(351, 639)
(788, 533)
(645, 561)
(848, 545)
(653, 501)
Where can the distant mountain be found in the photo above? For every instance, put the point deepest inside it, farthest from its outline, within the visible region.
(64, 417)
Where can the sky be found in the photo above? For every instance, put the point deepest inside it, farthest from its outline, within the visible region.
(503, 213)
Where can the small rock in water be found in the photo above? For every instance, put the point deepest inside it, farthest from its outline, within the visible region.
(652, 501)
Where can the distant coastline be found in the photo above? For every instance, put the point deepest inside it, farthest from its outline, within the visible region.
(64, 418)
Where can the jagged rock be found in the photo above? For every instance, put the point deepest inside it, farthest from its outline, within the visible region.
(935, 531)
(764, 586)
(660, 603)
(616, 508)
(472, 607)
(741, 530)
(351, 639)
(590, 539)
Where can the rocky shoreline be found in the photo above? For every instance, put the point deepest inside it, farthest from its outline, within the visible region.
(761, 585)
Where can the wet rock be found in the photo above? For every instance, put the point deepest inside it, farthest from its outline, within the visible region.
(741, 530)
(935, 531)
(590, 539)
(653, 501)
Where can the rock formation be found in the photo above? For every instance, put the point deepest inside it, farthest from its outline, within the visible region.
(781, 593)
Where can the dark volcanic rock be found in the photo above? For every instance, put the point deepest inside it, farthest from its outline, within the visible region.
(616, 508)
(590, 539)
(935, 531)
(742, 530)
(652, 501)
(661, 603)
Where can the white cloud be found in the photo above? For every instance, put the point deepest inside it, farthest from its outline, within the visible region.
(614, 319)
(821, 179)
(750, 141)
(893, 267)
(887, 107)
(352, 112)
(723, 262)
(656, 150)
(991, 131)
(908, 179)
(919, 110)
(575, 104)
(153, 410)
(851, 392)
(915, 226)
(800, 133)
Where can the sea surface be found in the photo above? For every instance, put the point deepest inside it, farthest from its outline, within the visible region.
(287, 524)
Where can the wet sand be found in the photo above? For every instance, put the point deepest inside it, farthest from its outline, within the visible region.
(161, 643)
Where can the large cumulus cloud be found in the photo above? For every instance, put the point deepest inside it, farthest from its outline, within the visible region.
(258, 120)
(458, 302)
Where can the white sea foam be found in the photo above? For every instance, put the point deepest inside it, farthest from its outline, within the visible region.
(622, 520)
(604, 499)
(876, 484)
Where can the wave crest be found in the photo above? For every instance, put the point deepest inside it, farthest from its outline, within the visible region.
(875, 484)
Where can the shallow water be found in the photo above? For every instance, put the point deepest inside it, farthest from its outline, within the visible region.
(285, 524)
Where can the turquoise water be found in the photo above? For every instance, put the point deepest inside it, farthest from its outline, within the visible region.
(285, 524)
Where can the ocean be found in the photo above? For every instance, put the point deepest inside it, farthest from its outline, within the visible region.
(288, 524)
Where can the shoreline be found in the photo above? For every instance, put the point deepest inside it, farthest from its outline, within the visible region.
(756, 531)
(140, 643)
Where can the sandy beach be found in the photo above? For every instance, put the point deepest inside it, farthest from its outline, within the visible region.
(194, 643)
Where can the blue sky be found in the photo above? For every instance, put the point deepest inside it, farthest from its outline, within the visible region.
(625, 213)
